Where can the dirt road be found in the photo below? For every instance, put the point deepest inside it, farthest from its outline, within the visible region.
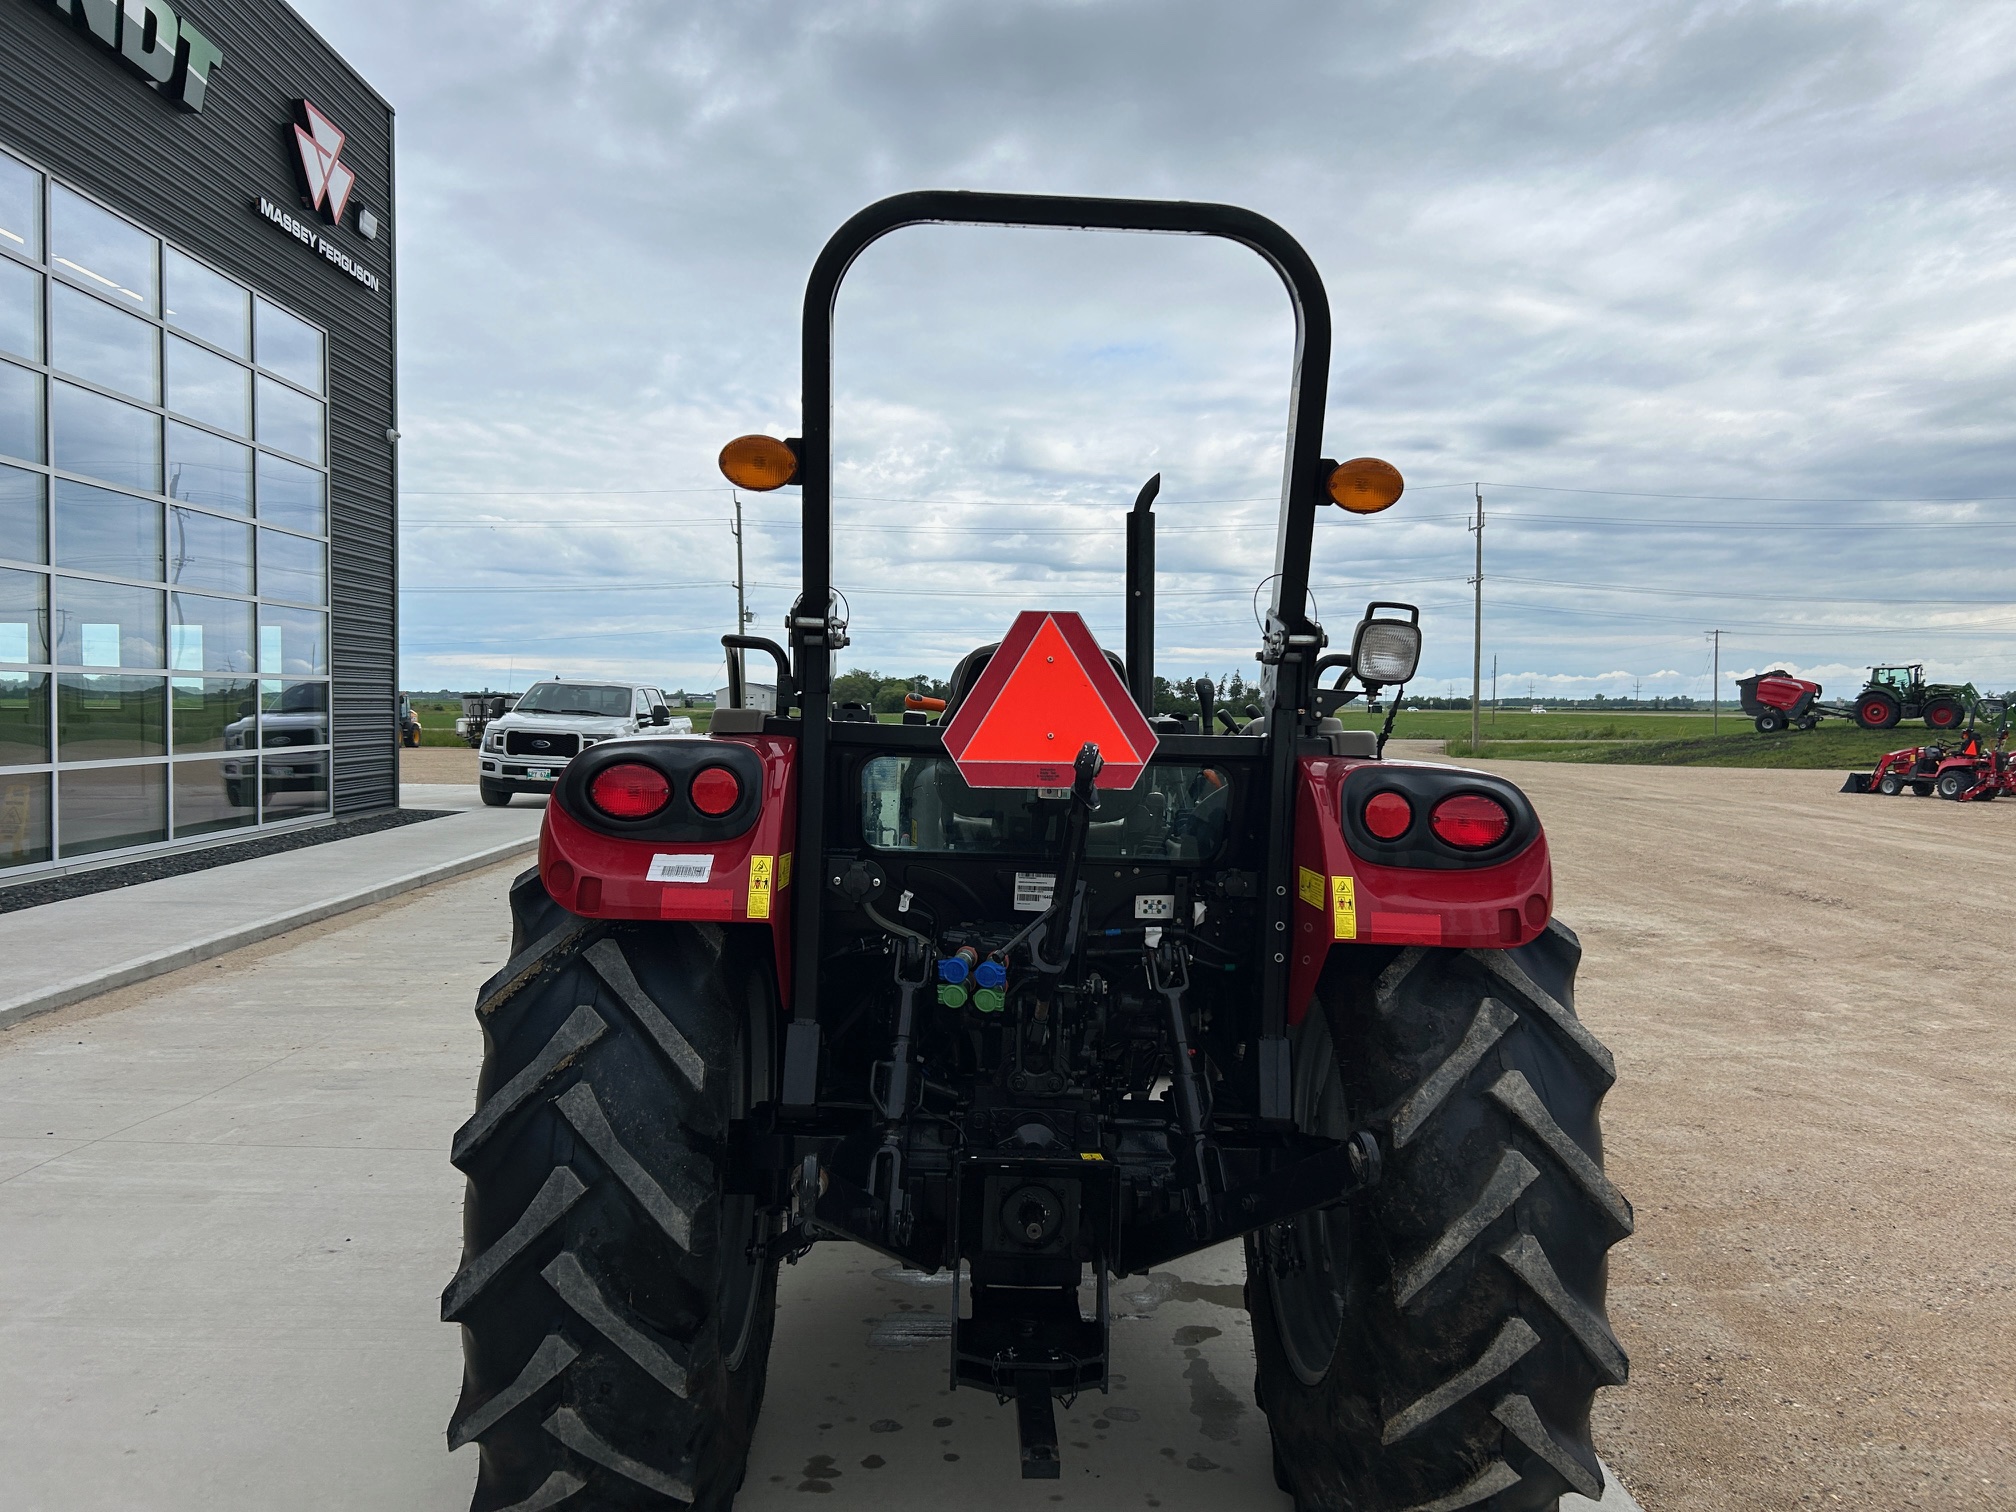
(1811, 1003)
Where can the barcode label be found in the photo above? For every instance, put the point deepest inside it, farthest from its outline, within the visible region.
(1033, 891)
(666, 868)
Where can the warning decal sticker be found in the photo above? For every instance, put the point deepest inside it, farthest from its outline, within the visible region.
(759, 886)
(1343, 908)
(1310, 885)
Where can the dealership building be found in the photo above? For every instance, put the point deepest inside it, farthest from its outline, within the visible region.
(198, 430)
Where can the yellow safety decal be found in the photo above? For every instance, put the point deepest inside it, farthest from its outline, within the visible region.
(783, 871)
(1310, 885)
(1344, 908)
(760, 868)
(1083, 1156)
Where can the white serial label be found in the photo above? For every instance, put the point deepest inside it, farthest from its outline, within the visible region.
(1033, 891)
(666, 868)
(1053, 792)
(1154, 905)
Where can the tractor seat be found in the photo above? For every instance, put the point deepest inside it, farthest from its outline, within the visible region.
(974, 662)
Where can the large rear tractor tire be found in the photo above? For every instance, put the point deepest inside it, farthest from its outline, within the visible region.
(1953, 784)
(1435, 1344)
(615, 1330)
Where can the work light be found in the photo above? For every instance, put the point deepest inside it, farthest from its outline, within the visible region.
(1386, 651)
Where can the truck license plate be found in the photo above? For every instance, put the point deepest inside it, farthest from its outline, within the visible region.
(541, 772)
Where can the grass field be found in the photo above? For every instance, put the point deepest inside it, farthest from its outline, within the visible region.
(1635, 738)
(1629, 738)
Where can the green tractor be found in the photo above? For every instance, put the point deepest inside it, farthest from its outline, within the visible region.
(1895, 693)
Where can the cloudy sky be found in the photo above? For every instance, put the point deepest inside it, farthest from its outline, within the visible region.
(1715, 300)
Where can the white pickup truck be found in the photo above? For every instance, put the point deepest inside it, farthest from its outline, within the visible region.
(525, 750)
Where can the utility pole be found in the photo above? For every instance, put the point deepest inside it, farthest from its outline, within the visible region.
(741, 603)
(1715, 687)
(1494, 689)
(1477, 633)
(1637, 683)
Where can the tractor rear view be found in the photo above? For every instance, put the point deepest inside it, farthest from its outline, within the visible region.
(1040, 991)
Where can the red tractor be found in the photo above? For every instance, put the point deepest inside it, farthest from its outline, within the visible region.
(1042, 992)
(1966, 771)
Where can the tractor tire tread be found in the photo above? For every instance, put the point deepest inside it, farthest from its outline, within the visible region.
(597, 1365)
(1472, 1277)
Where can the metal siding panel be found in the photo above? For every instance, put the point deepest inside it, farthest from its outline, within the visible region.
(71, 104)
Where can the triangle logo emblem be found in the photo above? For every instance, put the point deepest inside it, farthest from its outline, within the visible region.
(1048, 691)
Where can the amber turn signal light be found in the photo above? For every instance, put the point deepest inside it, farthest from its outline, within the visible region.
(759, 462)
(1364, 485)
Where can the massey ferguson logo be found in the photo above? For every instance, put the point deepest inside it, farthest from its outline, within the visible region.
(324, 176)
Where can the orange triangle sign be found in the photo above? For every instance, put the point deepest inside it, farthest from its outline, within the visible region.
(1046, 693)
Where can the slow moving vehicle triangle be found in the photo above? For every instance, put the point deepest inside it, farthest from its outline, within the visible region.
(1043, 695)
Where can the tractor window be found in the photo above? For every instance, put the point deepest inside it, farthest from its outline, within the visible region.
(1175, 813)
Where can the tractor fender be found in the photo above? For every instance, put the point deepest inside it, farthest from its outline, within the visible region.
(1501, 898)
(739, 878)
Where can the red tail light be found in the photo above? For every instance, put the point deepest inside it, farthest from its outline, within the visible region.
(715, 791)
(1387, 815)
(1469, 821)
(630, 790)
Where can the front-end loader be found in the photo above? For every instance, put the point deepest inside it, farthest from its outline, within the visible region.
(1041, 992)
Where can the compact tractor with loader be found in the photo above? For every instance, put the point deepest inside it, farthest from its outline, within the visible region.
(1966, 769)
(1039, 991)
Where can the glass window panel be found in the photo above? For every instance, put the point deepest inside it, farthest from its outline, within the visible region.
(207, 469)
(292, 568)
(112, 807)
(100, 531)
(288, 421)
(105, 718)
(101, 251)
(24, 616)
(24, 816)
(103, 438)
(212, 796)
(209, 388)
(287, 346)
(292, 496)
(209, 634)
(24, 719)
(24, 533)
(295, 787)
(20, 208)
(20, 311)
(205, 551)
(112, 348)
(293, 642)
(293, 714)
(107, 624)
(205, 304)
(20, 412)
(214, 714)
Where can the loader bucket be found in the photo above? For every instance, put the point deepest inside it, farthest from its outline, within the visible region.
(1858, 782)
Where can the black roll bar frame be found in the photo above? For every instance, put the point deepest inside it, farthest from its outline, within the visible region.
(1291, 642)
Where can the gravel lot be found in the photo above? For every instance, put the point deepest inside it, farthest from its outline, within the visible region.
(1810, 1001)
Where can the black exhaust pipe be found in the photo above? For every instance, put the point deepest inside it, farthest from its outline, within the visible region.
(1141, 597)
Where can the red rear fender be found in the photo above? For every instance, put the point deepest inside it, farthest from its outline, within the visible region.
(1415, 890)
(743, 877)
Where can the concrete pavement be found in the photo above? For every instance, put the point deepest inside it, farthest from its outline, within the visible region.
(226, 1215)
(64, 952)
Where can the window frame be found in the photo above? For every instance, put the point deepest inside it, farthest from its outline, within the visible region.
(41, 261)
